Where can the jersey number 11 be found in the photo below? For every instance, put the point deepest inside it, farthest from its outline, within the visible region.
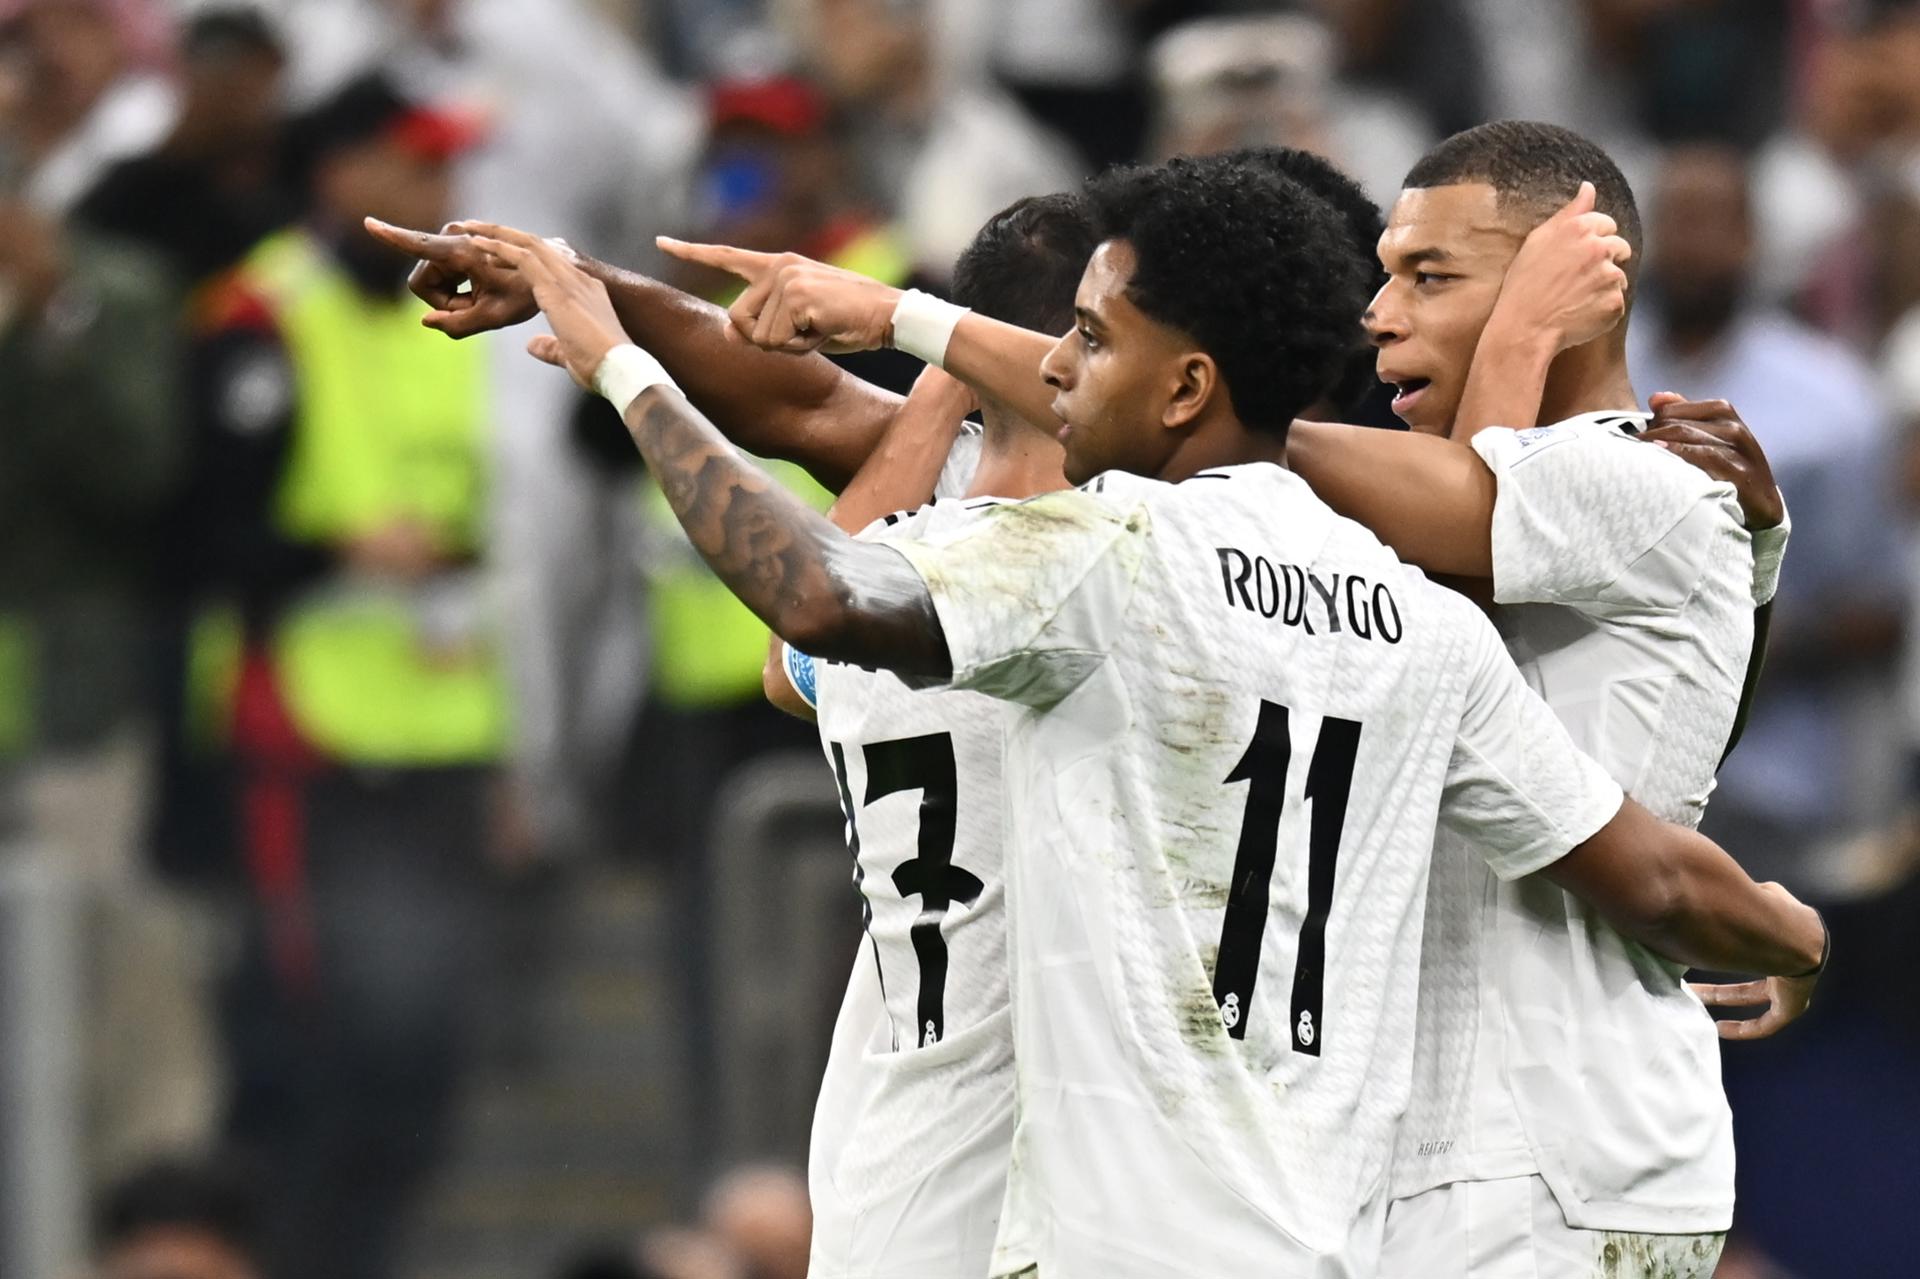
(1329, 779)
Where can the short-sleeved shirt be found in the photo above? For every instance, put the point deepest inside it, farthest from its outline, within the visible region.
(1548, 1043)
(914, 1125)
(1240, 719)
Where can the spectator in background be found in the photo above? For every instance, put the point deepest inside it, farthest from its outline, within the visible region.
(84, 91)
(1225, 83)
(1075, 64)
(343, 473)
(945, 153)
(588, 141)
(1808, 764)
(214, 187)
(181, 1219)
(91, 451)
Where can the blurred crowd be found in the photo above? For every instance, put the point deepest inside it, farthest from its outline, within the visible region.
(327, 644)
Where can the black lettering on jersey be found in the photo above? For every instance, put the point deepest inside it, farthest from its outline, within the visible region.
(1295, 612)
(1279, 592)
(1326, 592)
(1266, 587)
(926, 764)
(1359, 621)
(1383, 608)
(1235, 569)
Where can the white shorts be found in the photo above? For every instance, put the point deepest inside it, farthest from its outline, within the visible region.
(1513, 1229)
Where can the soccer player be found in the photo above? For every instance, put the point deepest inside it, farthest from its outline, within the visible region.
(1567, 1102)
(1214, 939)
(914, 1125)
(1568, 1083)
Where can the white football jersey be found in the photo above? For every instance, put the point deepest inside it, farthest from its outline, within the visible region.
(1241, 719)
(914, 1124)
(1548, 1043)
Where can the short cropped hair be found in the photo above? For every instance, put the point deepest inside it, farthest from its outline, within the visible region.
(1365, 224)
(1256, 269)
(1024, 266)
(1535, 168)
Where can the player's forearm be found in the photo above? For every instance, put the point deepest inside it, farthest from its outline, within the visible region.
(1508, 381)
(1679, 894)
(817, 588)
(903, 470)
(1719, 918)
(1429, 499)
(802, 409)
(1002, 362)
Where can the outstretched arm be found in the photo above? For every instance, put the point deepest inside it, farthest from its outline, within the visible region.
(794, 304)
(1678, 893)
(815, 586)
(804, 410)
(902, 472)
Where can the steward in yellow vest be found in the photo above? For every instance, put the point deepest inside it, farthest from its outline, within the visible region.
(342, 504)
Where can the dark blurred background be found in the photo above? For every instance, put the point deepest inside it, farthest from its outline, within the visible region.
(400, 874)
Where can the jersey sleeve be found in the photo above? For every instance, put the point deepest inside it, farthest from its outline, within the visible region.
(1585, 516)
(801, 674)
(1031, 594)
(1517, 786)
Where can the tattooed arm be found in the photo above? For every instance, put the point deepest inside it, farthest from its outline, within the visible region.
(815, 586)
(802, 409)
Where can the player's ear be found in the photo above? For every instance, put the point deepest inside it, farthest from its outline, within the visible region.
(1196, 381)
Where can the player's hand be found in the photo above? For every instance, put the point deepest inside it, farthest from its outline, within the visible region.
(576, 305)
(795, 304)
(468, 290)
(1784, 999)
(1710, 435)
(1568, 280)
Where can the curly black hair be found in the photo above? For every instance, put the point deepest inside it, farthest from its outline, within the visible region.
(1365, 224)
(1258, 270)
(1535, 168)
(1025, 264)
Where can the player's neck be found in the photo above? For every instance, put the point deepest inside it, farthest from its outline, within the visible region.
(1228, 443)
(1016, 460)
(1588, 379)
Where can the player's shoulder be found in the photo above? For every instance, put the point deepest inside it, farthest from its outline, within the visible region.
(1515, 446)
(1593, 449)
(937, 516)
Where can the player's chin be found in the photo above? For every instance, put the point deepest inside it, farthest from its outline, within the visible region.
(1077, 466)
(1428, 415)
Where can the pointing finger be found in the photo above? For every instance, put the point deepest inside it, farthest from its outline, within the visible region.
(744, 263)
(419, 244)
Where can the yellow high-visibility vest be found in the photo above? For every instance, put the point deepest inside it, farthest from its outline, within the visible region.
(390, 423)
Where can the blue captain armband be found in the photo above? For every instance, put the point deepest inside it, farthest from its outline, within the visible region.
(800, 673)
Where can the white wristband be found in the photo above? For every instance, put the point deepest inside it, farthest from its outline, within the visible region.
(624, 373)
(1769, 549)
(923, 325)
